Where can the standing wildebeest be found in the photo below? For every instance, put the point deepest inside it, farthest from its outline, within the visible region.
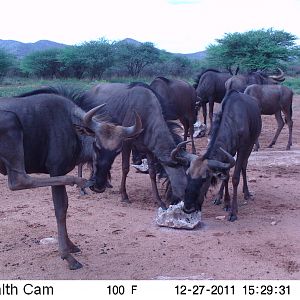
(210, 88)
(156, 139)
(235, 130)
(178, 99)
(38, 135)
(240, 82)
(272, 99)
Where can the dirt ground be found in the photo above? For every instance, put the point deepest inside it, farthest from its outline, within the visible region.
(121, 241)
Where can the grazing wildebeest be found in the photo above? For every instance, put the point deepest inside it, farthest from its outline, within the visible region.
(178, 99)
(38, 135)
(274, 99)
(156, 139)
(210, 88)
(240, 82)
(235, 130)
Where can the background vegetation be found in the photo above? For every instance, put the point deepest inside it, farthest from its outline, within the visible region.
(92, 61)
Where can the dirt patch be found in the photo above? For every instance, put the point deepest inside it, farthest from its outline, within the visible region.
(121, 241)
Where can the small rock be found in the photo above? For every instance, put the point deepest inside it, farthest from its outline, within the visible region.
(175, 217)
(252, 180)
(220, 217)
(274, 223)
(48, 240)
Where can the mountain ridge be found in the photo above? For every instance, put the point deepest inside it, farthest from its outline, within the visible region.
(20, 49)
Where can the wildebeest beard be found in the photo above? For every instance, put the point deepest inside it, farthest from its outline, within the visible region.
(102, 162)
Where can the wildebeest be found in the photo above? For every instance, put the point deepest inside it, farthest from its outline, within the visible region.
(274, 99)
(240, 82)
(178, 99)
(156, 139)
(38, 135)
(235, 130)
(210, 88)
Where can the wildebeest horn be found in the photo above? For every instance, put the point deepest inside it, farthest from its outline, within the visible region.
(185, 157)
(134, 129)
(89, 115)
(215, 164)
(278, 77)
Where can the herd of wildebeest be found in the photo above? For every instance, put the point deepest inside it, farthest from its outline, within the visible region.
(53, 129)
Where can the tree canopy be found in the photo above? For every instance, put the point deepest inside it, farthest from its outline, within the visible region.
(255, 49)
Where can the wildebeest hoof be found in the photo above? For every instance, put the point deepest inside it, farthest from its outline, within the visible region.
(75, 266)
(249, 196)
(126, 200)
(83, 192)
(232, 218)
(226, 207)
(288, 148)
(217, 201)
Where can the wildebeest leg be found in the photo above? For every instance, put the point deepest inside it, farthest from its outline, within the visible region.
(211, 112)
(125, 170)
(60, 201)
(152, 174)
(226, 195)
(289, 121)
(247, 194)
(280, 125)
(204, 112)
(191, 128)
(257, 146)
(79, 173)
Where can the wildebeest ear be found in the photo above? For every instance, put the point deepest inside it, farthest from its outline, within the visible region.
(82, 130)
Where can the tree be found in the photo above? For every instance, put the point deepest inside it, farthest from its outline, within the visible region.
(252, 50)
(42, 63)
(89, 59)
(136, 57)
(6, 62)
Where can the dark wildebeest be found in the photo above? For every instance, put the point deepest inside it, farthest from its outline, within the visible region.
(235, 130)
(179, 102)
(156, 139)
(274, 99)
(240, 82)
(210, 88)
(38, 135)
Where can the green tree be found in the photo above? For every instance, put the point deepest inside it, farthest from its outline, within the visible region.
(6, 62)
(136, 57)
(42, 63)
(89, 59)
(255, 49)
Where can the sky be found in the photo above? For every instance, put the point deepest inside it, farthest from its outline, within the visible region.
(176, 26)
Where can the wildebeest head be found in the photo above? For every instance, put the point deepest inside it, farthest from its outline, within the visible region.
(201, 173)
(108, 141)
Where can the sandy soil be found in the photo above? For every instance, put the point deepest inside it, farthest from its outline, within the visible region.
(120, 241)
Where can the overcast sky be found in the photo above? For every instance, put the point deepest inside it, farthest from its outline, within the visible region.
(173, 25)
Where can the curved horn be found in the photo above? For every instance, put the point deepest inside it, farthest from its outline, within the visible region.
(278, 77)
(215, 164)
(229, 156)
(185, 157)
(134, 129)
(87, 118)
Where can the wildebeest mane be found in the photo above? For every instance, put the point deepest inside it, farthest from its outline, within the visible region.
(216, 125)
(74, 94)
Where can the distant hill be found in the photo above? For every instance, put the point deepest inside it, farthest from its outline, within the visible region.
(197, 55)
(20, 49)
